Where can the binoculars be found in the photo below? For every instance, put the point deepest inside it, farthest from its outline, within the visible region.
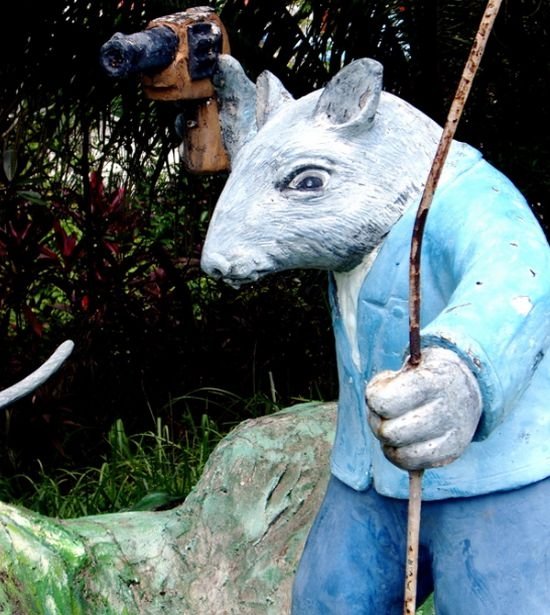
(175, 57)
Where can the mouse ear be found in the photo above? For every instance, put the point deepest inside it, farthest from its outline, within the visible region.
(351, 97)
(270, 96)
(237, 100)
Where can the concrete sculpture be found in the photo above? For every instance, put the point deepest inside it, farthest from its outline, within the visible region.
(331, 181)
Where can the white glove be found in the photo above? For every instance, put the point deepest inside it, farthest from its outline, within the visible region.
(425, 416)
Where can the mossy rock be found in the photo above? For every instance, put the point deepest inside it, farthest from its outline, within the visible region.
(231, 547)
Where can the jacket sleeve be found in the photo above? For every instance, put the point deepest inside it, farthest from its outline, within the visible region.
(497, 260)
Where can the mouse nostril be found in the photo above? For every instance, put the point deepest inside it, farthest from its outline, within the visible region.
(215, 265)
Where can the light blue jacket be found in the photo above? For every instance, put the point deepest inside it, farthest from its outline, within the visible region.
(485, 295)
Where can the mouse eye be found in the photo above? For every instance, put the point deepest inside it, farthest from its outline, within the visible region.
(309, 180)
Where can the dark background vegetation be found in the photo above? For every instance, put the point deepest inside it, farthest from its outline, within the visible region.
(100, 236)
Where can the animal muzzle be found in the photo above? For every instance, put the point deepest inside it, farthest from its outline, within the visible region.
(234, 271)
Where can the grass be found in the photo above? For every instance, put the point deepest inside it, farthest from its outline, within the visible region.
(147, 471)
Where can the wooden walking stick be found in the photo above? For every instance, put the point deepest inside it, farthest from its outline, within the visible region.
(455, 112)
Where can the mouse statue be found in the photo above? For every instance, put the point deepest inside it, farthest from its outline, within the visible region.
(332, 181)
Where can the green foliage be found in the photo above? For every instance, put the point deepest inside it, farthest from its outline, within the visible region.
(152, 470)
(148, 471)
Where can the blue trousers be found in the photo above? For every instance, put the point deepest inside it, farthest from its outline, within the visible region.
(484, 555)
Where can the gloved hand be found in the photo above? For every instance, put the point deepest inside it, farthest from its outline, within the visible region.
(427, 415)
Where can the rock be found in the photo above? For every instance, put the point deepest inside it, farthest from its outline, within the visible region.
(231, 548)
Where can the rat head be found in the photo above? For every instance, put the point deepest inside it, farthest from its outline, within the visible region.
(315, 182)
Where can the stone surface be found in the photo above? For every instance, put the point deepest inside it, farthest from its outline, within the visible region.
(231, 548)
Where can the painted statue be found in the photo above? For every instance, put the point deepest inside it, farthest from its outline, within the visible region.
(331, 181)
